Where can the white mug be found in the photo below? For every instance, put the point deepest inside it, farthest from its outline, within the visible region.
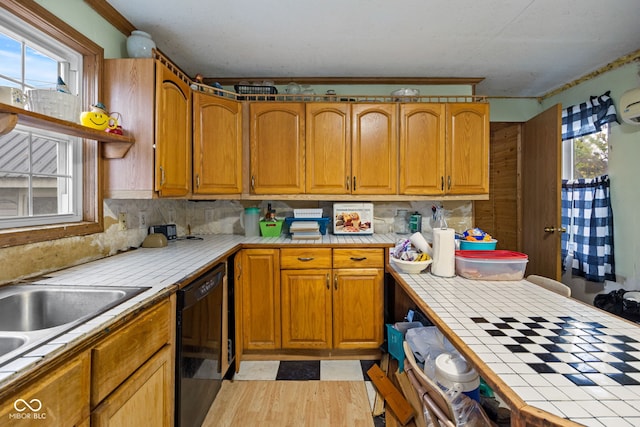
(12, 96)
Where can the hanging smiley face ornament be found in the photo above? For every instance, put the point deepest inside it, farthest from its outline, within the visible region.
(98, 118)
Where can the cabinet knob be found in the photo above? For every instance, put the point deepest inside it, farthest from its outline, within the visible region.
(253, 182)
(360, 258)
(442, 183)
(197, 180)
(161, 176)
(328, 282)
(305, 259)
(354, 183)
(348, 182)
(449, 182)
(335, 281)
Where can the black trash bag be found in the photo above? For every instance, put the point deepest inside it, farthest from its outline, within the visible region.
(613, 302)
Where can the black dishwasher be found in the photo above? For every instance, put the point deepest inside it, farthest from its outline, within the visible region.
(203, 348)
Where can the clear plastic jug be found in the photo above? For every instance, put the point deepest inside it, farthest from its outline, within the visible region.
(250, 221)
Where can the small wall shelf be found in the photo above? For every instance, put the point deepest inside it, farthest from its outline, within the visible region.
(113, 146)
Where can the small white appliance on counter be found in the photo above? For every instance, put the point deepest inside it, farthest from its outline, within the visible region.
(353, 218)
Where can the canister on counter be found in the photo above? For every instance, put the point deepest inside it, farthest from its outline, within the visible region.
(415, 222)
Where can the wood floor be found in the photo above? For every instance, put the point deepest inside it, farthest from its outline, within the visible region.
(291, 403)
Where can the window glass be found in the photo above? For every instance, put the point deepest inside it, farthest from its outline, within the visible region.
(586, 156)
(40, 171)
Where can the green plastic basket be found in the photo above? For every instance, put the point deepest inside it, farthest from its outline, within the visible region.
(271, 228)
(395, 339)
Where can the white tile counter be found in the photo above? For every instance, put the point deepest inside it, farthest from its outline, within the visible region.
(159, 269)
(557, 354)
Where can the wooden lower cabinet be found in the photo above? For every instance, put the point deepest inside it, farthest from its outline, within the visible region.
(306, 309)
(143, 399)
(259, 283)
(332, 308)
(358, 308)
(60, 397)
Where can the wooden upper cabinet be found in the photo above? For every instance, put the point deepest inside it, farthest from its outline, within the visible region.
(422, 148)
(155, 108)
(277, 147)
(173, 133)
(328, 148)
(467, 153)
(217, 145)
(374, 148)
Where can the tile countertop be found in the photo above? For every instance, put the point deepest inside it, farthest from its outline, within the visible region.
(557, 354)
(160, 269)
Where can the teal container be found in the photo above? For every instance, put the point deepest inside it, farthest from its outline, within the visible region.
(479, 245)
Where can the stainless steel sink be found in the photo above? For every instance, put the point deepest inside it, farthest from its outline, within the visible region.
(31, 315)
(8, 344)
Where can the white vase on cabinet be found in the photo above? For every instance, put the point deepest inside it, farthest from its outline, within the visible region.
(140, 44)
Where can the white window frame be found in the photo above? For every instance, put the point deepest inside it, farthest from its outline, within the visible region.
(70, 69)
(568, 158)
(93, 55)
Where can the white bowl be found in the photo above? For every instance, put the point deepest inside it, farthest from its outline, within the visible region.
(410, 267)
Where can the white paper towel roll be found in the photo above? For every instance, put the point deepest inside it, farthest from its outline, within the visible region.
(444, 252)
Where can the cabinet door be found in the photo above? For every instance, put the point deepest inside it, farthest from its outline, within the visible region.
(60, 397)
(144, 399)
(374, 149)
(173, 133)
(217, 145)
(277, 147)
(306, 309)
(129, 86)
(358, 308)
(328, 148)
(260, 299)
(422, 148)
(467, 148)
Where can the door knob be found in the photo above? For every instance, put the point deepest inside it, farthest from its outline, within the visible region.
(553, 229)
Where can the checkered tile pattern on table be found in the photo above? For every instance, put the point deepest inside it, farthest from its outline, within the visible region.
(580, 351)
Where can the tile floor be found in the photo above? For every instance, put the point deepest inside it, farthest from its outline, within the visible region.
(311, 370)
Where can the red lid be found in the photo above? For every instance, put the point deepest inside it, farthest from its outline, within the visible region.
(498, 254)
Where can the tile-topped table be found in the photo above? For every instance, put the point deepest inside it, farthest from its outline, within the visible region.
(556, 354)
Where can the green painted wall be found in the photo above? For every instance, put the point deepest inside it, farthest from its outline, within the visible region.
(84, 19)
(624, 161)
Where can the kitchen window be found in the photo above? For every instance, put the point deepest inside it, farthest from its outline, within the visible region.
(40, 183)
(49, 182)
(586, 156)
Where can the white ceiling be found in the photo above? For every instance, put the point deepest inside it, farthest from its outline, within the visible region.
(519, 47)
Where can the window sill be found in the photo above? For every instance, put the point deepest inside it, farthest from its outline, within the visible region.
(26, 235)
(113, 146)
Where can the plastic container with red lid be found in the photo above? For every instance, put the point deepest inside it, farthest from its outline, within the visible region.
(491, 265)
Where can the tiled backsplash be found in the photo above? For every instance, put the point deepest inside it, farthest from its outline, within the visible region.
(198, 217)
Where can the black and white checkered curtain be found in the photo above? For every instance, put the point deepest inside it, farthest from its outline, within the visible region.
(588, 117)
(588, 217)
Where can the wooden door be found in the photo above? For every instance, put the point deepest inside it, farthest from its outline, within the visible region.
(541, 186)
(306, 309)
(173, 134)
(261, 299)
(145, 398)
(467, 155)
(501, 215)
(217, 145)
(277, 147)
(374, 149)
(422, 148)
(358, 308)
(328, 148)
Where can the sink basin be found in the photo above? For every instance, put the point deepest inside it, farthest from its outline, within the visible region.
(31, 315)
(8, 344)
(32, 310)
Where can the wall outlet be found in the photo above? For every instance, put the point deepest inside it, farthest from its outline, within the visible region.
(142, 219)
(122, 221)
